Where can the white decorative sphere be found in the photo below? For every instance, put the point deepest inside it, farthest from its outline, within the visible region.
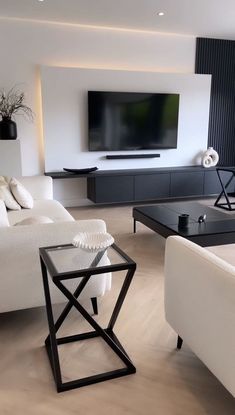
(210, 158)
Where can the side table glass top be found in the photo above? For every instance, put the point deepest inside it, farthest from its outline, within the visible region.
(69, 259)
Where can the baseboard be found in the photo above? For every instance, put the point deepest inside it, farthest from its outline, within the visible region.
(67, 203)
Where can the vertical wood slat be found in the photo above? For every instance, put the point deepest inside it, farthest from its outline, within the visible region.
(217, 57)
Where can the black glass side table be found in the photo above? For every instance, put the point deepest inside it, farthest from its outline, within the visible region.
(62, 263)
(228, 205)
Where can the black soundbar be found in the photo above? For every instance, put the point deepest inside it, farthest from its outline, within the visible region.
(132, 156)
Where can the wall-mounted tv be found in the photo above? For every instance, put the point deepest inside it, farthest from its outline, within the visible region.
(132, 121)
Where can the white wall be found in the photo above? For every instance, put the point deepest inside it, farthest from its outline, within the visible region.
(10, 158)
(27, 45)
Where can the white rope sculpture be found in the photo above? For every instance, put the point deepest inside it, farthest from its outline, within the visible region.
(210, 158)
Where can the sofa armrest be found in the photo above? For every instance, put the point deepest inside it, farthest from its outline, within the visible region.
(40, 187)
(16, 241)
(21, 280)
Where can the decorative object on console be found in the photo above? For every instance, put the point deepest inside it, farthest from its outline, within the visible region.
(93, 242)
(78, 171)
(210, 158)
(12, 103)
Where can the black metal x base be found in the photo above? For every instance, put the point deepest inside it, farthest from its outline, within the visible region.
(228, 205)
(107, 334)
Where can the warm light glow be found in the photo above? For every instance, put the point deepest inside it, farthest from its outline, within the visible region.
(160, 13)
(95, 27)
(39, 120)
(161, 70)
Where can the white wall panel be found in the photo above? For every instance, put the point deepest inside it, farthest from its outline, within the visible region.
(64, 93)
(10, 158)
(64, 97)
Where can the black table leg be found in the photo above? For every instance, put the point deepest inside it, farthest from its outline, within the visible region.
(51, 345)
(134, 226)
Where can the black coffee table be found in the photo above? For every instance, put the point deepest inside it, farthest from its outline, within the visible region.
(218, 229)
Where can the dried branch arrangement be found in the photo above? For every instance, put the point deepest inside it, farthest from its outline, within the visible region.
(12, 103)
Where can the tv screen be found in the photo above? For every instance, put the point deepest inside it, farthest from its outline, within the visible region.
(132, 121)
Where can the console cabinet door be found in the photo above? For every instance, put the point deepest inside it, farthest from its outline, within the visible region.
(186, 184)
(152, 186)
(111, 189)
(211, 183)
(114, 187)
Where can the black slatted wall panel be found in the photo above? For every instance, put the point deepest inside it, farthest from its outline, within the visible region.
(217, 57)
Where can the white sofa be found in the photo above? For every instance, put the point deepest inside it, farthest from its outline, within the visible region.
(200, 303)
(21, 281)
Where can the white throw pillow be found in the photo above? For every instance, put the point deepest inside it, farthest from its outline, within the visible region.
(21, 194)
(34, 220)
(4, 222)
(6, 195)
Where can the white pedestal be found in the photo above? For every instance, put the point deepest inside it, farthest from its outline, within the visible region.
(10, 158)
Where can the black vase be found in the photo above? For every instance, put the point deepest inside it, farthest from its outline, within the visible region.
(8, 130)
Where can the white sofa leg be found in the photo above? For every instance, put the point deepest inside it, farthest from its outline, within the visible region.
(94, 304)
(179, 342)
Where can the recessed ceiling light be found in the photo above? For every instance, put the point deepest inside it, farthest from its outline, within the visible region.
(40, 0)
(160, 13)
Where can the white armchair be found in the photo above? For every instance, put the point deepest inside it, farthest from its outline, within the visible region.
(200, 305)
(20, 280)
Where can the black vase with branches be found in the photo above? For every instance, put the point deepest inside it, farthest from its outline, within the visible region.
(12, 103)
(8, 129)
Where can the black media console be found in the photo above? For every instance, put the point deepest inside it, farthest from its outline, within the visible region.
(153, 184)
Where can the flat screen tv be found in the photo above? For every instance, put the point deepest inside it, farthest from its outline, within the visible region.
(132, 121)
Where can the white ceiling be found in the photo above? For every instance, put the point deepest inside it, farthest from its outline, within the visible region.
(209, 18)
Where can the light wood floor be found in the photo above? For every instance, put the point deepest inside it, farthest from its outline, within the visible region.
(167, 382)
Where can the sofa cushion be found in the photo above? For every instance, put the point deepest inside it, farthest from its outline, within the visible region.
(50, 208)
(21, 194)
(34, 220)
(6, 195)
(4, 222)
